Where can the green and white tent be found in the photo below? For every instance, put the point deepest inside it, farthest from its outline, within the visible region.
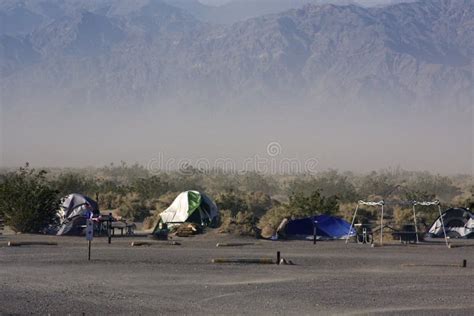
(190, 206)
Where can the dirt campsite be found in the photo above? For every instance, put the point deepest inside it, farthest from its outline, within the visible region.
(330, 277)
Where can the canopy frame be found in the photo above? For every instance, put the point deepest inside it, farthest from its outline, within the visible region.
(382, 203)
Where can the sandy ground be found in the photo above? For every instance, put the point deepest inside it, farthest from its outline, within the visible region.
(329, 278)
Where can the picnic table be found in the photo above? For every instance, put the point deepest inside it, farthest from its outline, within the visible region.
(126, 228)
(123, 226)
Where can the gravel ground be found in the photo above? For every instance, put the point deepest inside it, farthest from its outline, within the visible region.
(329, 278)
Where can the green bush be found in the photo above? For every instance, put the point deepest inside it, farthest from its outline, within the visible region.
(27, 202)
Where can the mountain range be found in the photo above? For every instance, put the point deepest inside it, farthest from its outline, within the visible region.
(103, 53)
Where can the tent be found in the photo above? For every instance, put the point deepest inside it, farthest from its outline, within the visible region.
(458, 223)
(73, 212)
(190, 206)
(327, 227)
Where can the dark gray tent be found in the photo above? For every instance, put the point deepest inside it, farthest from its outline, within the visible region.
(458, 223)
(73, 213)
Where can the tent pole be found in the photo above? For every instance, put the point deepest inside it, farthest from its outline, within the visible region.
(442, 225)
(381, 228)
(352, 224)
(414, 219)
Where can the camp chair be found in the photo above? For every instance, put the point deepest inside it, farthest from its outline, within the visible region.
(364, 234)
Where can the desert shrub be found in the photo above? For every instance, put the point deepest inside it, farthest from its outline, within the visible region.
(109, 200)
(329, 183)
(378, 183)
(123, 174)
(433, 185)
(72, 182)
(258, 203)
(150, 222)
(151, 187)
(270, 221)
(402, 215)
(254, 181)
(27, 201)
(187, 178)
(313, 203)
(346, 211)
(225, 217)
(231, 201)
(133, 208)
(242, 224)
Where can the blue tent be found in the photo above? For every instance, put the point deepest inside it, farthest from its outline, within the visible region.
(327, 227)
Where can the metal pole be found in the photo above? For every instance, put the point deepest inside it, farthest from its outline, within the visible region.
(414, 219)
(442, 224)
(352, 223)
(381, 228)
(314, 232)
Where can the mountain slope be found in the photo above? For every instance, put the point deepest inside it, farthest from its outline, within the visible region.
(414, 54)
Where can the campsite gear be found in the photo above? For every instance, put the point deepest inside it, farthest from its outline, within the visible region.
(73, 211)
(187, 229)
(192, 207)
(161, 233)
(458, 223)
(327, 227)
(412, 203)
(364, 234)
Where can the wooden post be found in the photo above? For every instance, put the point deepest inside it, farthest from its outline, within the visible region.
(109, 228)
(89, 236)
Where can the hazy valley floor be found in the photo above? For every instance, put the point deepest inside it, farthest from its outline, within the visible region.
(329, 278)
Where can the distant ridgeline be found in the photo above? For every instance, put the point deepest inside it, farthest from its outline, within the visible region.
(119, 53)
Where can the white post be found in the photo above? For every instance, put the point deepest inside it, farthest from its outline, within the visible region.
(442, 224)
(414, 219)
(381, 228)
(352, 224)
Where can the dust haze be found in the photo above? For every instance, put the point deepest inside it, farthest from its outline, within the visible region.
(354, 88)
(341, 138)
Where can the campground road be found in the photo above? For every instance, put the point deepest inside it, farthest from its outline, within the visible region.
(329, 278)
